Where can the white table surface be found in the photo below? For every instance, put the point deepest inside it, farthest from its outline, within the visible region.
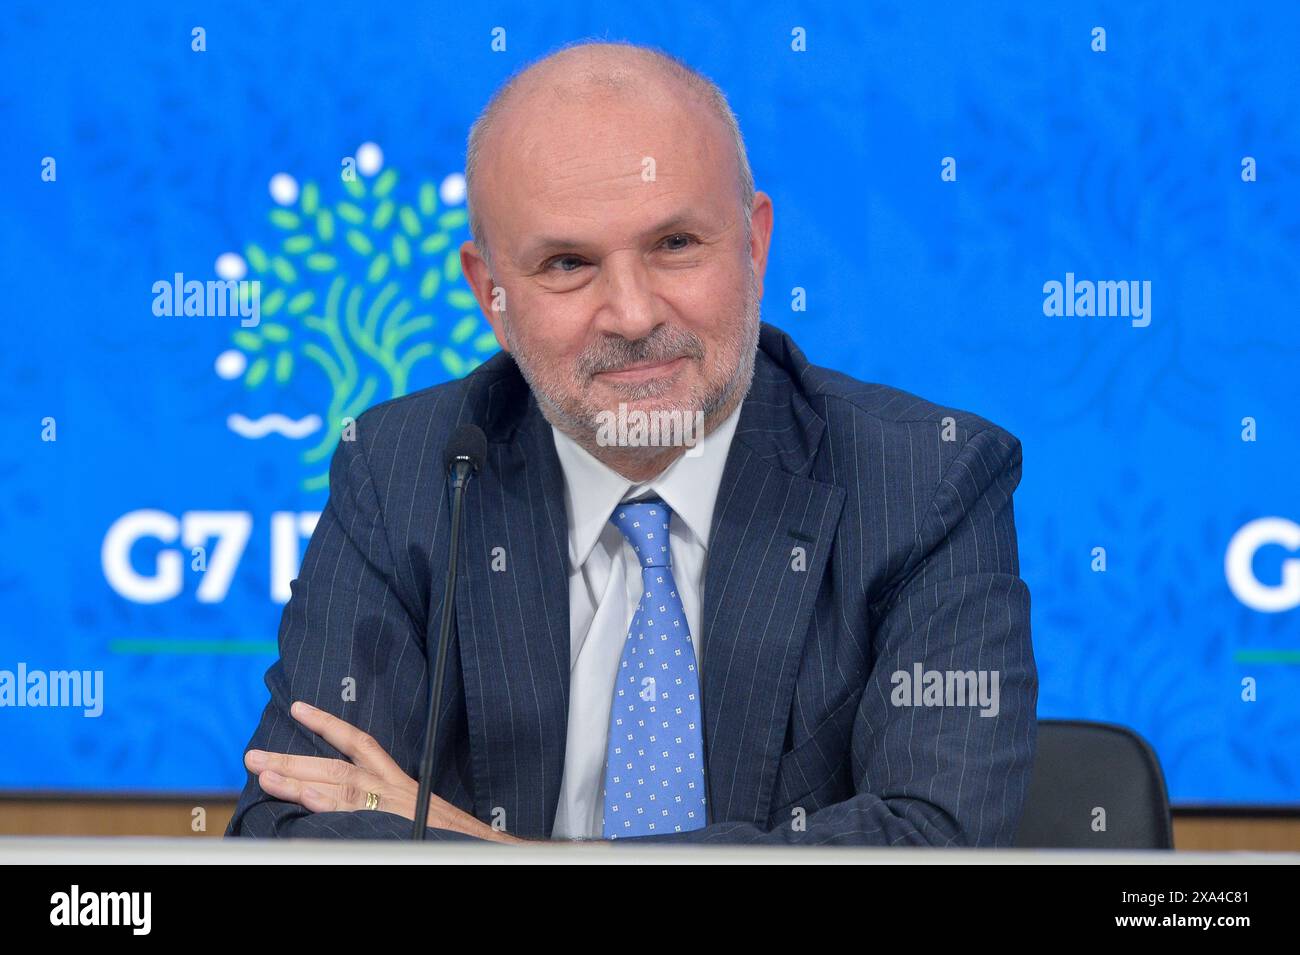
(202, 850)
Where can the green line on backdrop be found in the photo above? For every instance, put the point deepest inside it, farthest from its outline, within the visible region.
(1267, 656)
(160, 647)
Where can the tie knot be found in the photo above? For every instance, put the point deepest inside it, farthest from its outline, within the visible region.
(645, 525)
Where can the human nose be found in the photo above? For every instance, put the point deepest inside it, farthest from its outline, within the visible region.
(629, 306)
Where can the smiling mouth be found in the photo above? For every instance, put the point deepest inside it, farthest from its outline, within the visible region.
(644, 371)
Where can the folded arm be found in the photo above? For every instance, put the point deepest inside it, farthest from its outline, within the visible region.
(350, 644)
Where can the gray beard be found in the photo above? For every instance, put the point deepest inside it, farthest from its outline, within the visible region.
(582, 426)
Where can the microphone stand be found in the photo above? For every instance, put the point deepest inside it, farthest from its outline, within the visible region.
(462, 468)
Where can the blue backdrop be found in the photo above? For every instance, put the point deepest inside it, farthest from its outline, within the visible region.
(933, 166)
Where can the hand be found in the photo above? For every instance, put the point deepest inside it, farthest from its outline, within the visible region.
(335, 785)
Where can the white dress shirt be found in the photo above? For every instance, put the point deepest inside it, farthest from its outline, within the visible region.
(604, 587)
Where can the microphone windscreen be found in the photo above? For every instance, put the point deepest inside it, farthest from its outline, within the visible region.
(469, 442)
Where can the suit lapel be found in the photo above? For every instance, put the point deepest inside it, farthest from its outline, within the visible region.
(512, 614)
(772, 532)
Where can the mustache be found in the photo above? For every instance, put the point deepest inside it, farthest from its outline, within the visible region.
(614, 353)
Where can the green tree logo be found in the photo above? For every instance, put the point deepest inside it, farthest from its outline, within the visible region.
(364, 285)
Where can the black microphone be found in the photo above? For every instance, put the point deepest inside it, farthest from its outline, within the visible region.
(465, 454)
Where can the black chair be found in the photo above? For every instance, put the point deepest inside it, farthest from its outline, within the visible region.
(1082, 766)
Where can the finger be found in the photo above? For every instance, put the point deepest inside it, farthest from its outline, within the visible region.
(316, 796)
(362, 748)
(330, 797)
(281, 787)
(324, 797)
(306, 768)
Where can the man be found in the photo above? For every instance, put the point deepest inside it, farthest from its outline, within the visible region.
(806, 628)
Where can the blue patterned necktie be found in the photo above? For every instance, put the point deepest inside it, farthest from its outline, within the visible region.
(654, 762)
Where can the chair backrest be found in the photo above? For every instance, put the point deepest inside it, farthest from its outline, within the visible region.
(1084, 768)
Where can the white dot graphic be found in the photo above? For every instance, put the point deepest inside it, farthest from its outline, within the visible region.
(284, 189)
(452, 190)
(231, 266)
(370, 159)
(231, 363)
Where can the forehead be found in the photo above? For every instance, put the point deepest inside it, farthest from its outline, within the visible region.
(606, 165)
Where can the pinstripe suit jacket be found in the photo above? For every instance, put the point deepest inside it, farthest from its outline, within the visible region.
(859, 531)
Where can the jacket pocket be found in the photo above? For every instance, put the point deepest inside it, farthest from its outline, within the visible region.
(819, 759)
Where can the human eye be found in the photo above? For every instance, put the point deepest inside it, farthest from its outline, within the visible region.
(685, 237)
(554, 260)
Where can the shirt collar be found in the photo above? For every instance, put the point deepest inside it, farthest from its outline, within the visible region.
(689, 486)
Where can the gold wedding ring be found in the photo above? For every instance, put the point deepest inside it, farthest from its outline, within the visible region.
(372, 800)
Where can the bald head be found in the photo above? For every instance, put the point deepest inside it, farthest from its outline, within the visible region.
(618, 243)
(587, 73)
